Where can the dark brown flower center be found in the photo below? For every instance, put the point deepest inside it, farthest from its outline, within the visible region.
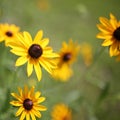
(35, 51)
(28, 104)
(67, 57)
(116, 34)
(9, 33)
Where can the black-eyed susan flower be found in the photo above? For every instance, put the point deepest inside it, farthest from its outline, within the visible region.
(86, 52)
(8, 32)
(68, 54)
(61, 112)
(110, 32)
(34, 52)
(28, 102)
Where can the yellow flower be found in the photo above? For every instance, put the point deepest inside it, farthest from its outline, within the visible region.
(86, 51)
(110, 32)
(62, 73)
(34, 52)
(28, 103)
(8, 32)
(68, 54)
(61, 112)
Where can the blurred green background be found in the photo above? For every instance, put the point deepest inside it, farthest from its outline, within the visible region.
(93, 93)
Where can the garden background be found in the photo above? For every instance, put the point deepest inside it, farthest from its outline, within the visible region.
(93, 92)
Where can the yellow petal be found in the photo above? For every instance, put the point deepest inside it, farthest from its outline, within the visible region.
(29, 68)
(16, 103)
(27, 116)
(104, 36)
(38, 70)
(38, 37)
(23, 115)
(36, 113)
(32, 116)
(20, 110)
(107, 42)
(46, 65)
(18, 52)
(105, 22)
(37, 95)
(44, 42)
(21, 61)
(50, 55)
(27, 38)
(16, 96)
(41, 108)
(41, 99)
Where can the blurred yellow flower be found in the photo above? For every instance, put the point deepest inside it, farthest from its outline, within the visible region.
(61, 112)
(8, 32)
(34, 52)
(110, 32)
(68, 54)
(86, 52)
(28, 103)
(62, 73)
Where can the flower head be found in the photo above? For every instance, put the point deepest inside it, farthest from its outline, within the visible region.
(8, 32)
(34, 52)
(68, 54)
(61, 112)
(28, 103)
(110, 32)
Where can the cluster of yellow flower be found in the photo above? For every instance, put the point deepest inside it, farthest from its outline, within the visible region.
(37, 54)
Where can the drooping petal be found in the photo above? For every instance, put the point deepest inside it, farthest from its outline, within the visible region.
(38, 70)
(29, 68)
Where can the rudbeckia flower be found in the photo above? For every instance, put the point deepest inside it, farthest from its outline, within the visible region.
(68, 54)
(28, 102)
(61, 112)
(8, 32)
(110, 33)
(35, 52)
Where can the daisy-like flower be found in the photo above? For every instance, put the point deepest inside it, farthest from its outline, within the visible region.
(68, 54)
(28, 102)
(8, 32)
(61, 112)
(110, 32)
(34, 52)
